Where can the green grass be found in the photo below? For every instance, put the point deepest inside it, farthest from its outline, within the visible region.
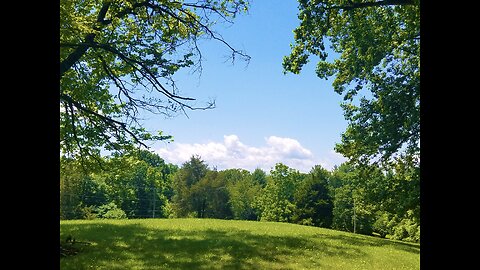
(222, 244)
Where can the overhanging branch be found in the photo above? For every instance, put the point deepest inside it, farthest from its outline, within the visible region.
(351, 6)
(116, 125)
(75, 56)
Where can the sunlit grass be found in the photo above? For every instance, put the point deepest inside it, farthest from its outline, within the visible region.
(228, 244)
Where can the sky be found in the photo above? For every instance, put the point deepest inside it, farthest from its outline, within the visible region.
(262, 116)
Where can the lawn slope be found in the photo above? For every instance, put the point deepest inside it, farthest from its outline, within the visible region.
(227, 244)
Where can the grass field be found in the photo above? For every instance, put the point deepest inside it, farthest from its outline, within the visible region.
(222, 244)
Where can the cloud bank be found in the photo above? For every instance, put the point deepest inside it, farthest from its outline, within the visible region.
(232, 153)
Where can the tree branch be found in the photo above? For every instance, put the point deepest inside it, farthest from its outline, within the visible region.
(109, 121)
(152, 78)
(351, 6)
(72, 58)
(215, 37)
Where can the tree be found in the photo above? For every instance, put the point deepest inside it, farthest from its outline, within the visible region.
(354, 205)
(201, 192)
(243, 192)
(117, 61)
(137, 183)
(313, 204)
(379, 47)
(191, 172)
(380, 199)
(71, 182)
(152, 180)
(260, 177)
(79, 191)
(275, 203)
(399, 216)
(209, 197)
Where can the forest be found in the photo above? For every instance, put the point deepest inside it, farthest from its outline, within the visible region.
(383, 201)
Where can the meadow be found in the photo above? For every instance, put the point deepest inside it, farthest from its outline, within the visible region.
(227, 244)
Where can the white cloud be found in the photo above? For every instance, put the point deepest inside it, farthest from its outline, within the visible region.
(288, 148)
(232, 153)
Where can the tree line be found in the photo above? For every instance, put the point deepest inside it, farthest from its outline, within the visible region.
(372, 200)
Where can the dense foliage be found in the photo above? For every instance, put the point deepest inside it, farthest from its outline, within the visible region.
(377, 70)
(117, 61)
(138, 184)
(369, 201)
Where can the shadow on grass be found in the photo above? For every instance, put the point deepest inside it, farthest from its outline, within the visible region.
(364, 241)
(129, 246)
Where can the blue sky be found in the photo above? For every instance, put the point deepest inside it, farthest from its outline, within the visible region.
(262, 116)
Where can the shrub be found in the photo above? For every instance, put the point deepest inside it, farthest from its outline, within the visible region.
(405, 228)
(380, 226)
(111, 211)
(167, 209)
(88, 212)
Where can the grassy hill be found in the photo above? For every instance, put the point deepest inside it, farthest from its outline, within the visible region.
(227, 244)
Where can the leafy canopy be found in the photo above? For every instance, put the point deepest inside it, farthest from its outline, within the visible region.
(378, 43)
(117, 61)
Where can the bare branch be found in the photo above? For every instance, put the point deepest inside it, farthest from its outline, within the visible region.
(215, 37)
